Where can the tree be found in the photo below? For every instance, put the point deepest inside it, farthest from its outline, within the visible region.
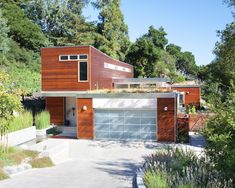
(22, 30)
(185, 61)
(220, 135)
(60, 20)
(3, 35)
(112, 27)
(9, 103)
(158, 37)
(150, 57)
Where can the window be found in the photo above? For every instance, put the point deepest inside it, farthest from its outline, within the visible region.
(83, 71)
(82, 56)
(73, 57)
(64, 57)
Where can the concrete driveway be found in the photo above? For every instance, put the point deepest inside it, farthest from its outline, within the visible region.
(91, 164)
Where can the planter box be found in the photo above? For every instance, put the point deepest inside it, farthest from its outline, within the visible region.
(42, 133)
(21, 136)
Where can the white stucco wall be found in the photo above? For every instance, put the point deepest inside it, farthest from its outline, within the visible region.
(21, 136)
(109, 103)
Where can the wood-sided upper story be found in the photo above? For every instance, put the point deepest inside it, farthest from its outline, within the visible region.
(80, 68)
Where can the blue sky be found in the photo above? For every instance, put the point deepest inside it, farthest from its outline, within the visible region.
(191, 24)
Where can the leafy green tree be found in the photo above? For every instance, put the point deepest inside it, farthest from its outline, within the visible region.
(220, 135)
(150, 58)
(143, 55)
(61, 21)
(9, 102)
(158, 37)
(3, 35)
(185, 61)
(112, 27)
(22, 30)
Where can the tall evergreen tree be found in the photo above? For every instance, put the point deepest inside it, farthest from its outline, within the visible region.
(4, 40)
(112, 27)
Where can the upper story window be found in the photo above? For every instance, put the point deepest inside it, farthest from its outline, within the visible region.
(83, 71)
(83, 56)
(73, 57)
(64, 57)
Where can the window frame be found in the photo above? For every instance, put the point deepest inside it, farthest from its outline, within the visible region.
(69, 59)
(87, 80)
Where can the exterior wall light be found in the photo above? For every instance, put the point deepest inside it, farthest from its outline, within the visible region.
(165, 108)
(187, 92)
(84, 108)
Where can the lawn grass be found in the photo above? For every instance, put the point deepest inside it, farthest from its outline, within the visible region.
(41, 162)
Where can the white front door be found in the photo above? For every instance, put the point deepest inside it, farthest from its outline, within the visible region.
(71, 111)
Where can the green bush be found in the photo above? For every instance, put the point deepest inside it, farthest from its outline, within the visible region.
(179, 168)
(22, 121)
(155, 179)
(42, 120)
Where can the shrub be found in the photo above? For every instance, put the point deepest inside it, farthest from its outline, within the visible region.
(155, 179)
(3, 175)
(178, 168)
(42, 120)
(22, 121)
(41, 162)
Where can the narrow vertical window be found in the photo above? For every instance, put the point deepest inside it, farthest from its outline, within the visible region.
(83, 71)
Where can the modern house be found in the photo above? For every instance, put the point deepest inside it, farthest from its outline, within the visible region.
(88, 90)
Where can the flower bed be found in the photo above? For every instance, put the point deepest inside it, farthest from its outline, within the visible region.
(178, 168)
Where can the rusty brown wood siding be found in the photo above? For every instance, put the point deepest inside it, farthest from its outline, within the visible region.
(166, 120)
(192, 95)
(85, 119)
(102, 77)
(62, 75)
(55, 106)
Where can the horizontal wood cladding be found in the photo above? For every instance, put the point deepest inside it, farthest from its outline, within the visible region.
(62, 75)
(101, 77)
(166, 122)
(192, 95)
(85, 119)
(55, 106)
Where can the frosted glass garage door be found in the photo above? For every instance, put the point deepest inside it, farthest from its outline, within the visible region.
(125, 124)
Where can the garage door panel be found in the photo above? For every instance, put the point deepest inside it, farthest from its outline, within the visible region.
(116, 120)
(102, 113)
(117, 135)
(101, 120)
(116, 113)
(148, 121)
(131, 135)
(132, 128)
(148, 113)
(148, 136)
(132, 120)
(102, 135)
(102, 127)
(148, 128)
(117, 127)
(125, 124)
(131, 113)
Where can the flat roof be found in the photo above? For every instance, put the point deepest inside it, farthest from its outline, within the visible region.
(139, 80)
(82, 94)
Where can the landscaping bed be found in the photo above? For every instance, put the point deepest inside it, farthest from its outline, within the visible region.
(14, 160)
(178, 168)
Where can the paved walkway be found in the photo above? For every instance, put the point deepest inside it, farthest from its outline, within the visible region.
(92, 164)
